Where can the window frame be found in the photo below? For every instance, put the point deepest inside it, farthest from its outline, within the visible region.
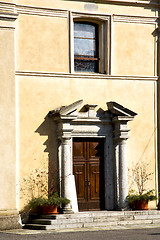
(104, 39)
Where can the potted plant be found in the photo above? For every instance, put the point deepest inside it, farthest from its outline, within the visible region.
(40, 193)
(47, 205)
(138, 200)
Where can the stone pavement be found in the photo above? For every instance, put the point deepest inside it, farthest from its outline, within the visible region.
(140, 233)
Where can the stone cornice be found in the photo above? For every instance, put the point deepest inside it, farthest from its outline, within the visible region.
(40, 11)
(33, 10)
(8, 16)
(7, 20)
(116, 17)
(7, 7)
(51, 12)
(43, 11)
(85, 76)
(135, 19)
(99, 16)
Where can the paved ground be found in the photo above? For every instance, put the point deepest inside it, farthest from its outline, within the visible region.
(122, 234)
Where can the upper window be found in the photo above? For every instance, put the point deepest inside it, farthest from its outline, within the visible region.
(90, 43)
(86, 49)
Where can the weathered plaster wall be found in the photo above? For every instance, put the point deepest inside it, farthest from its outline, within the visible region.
(8, 203)
(7, 122)
(133, 49)
(43, 41)
(37, 145)
(43, 46)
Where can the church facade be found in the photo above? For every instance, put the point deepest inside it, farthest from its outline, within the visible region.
(79, 102)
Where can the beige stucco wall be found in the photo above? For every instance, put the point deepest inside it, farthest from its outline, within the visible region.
(43, 46)
(37, 136)
(7, 122)
(133, 49)
(43, 42)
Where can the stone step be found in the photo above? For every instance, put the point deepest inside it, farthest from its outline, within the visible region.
(87, 224)
(84, 215)
(35, 227)
(53, 227)
(48, 221)
(102, 213)
(94, 220)
(142, 217)
(61, 221)
(115, 223)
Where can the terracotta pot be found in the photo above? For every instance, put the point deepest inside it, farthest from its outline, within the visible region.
(141, 205)
(50, 209)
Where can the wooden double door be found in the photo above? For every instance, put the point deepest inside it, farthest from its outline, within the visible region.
(88, 169)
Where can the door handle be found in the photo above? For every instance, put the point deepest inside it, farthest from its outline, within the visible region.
(87, 183)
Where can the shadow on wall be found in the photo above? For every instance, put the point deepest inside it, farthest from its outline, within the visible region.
(48, 128)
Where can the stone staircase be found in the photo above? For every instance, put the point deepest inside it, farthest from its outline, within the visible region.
(96, 219)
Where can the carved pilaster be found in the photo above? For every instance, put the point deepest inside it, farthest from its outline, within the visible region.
(66, 170)
(123, 175)
(120, 138)
(63, 117)
(120, 118)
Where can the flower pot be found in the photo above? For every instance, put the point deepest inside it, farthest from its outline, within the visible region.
(141, 205)
(50, 209)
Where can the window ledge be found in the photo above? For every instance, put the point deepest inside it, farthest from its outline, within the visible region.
(85, 76)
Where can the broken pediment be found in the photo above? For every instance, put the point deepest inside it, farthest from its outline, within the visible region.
(88, 111)
(119, 110)
(75, 120)
(67, 110)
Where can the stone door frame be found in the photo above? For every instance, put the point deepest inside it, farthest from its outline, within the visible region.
(110, 125)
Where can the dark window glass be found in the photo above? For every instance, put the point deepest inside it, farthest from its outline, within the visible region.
(85, 47)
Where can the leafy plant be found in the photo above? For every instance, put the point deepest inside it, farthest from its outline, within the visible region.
(54, 199)
(148, 196)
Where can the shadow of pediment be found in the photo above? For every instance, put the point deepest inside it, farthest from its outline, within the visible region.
(48, 128)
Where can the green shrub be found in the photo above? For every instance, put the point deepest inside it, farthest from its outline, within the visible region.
(148, 196)
(54, 199)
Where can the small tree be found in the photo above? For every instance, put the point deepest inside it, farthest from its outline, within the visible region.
(139, 199)
(35, 184)
(140, 176)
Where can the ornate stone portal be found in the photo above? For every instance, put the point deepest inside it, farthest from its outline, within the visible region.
(110, 125)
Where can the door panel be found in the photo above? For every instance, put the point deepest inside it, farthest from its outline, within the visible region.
(79, 150)
(88, 168)
(94, 180)
(93, 149)
(79, 170)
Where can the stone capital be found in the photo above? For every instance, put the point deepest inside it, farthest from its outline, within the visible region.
(120, 128)
(65, 140)
(120, 118)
